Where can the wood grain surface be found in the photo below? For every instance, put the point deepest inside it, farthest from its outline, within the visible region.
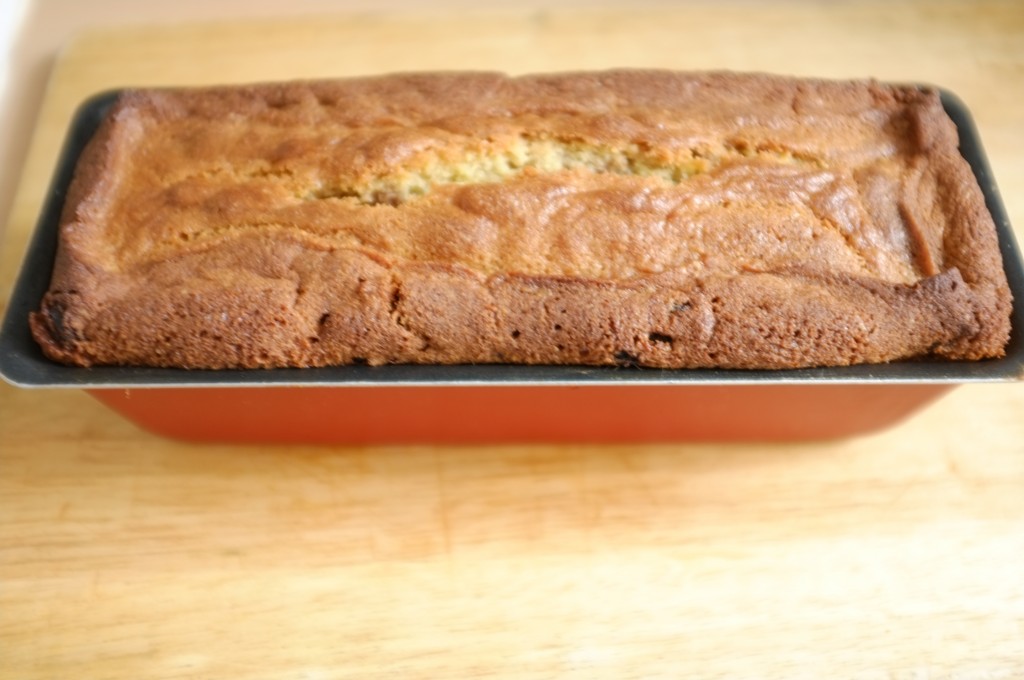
(892, 556)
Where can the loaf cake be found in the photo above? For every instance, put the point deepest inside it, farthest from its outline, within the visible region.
(645, 218)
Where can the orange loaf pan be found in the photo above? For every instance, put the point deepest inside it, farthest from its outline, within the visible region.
(481, 414)
(497, 403)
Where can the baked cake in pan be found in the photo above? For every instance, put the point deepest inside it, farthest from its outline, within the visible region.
(646, 218)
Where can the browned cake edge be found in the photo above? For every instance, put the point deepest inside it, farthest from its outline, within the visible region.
(352, 307)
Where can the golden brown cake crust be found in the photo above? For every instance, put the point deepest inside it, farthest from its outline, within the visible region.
(628, 217)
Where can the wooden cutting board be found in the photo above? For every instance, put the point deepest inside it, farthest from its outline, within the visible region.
(896, 555)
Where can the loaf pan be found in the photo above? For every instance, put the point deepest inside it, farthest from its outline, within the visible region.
(497, 403)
